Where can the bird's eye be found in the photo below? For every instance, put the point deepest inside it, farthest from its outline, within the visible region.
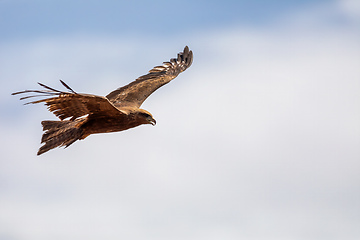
(145, 115)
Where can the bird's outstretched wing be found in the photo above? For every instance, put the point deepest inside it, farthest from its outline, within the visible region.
(71, 104)
(135, 93)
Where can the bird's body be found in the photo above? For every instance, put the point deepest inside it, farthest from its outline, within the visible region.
(84, 114)
(106, 124)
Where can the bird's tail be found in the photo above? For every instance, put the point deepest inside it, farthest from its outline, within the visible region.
(60, 133)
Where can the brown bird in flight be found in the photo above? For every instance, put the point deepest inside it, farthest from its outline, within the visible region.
(84, 114)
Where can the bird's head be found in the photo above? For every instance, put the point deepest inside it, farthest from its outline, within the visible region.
(145, 117)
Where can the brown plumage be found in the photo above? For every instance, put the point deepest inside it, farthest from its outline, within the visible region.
(84, 114)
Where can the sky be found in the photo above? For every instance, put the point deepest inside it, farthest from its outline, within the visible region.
(258, 139)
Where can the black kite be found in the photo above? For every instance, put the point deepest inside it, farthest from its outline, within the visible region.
(85, 114)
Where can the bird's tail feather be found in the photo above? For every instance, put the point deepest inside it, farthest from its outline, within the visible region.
(60, 133)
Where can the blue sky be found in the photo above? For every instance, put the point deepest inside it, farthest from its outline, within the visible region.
(42, 18)
(259, 139)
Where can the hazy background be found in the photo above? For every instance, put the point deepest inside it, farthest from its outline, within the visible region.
(258, 140)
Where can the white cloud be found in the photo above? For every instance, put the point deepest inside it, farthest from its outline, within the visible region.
(351, 7)
(257, 140)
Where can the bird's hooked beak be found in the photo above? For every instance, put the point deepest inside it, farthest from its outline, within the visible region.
(152, 121)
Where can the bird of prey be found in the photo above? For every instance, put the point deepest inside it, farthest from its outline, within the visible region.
(84, 114)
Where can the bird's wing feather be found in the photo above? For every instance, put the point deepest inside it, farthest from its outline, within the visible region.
(135, 93)
(71, 104)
